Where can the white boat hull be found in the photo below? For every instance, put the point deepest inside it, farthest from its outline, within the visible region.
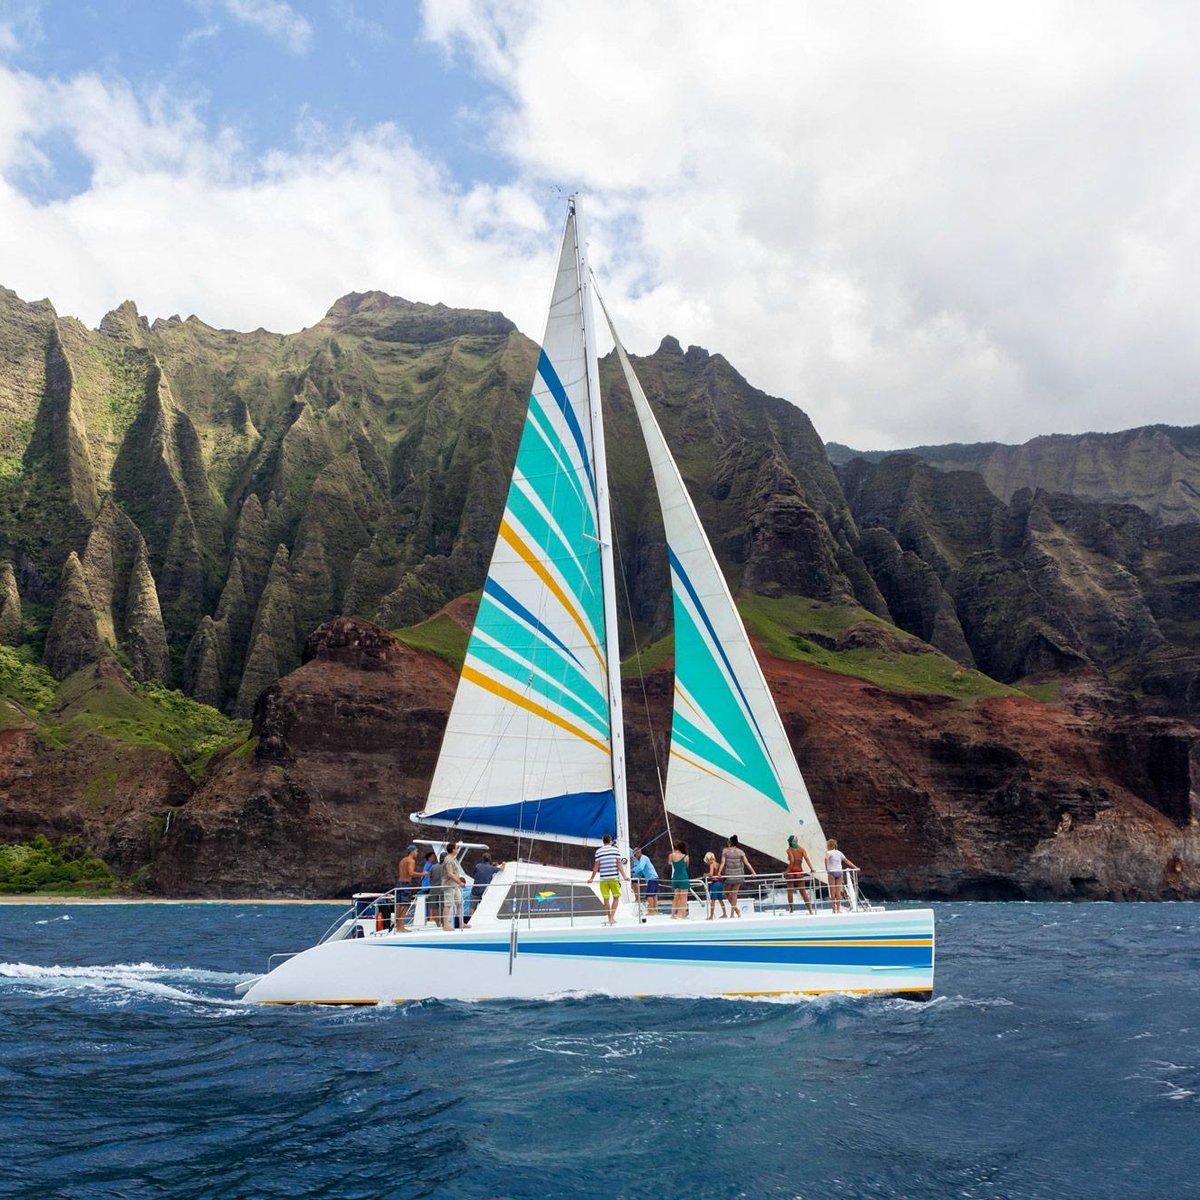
(873, 951)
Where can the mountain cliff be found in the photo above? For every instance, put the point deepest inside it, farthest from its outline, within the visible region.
(182, 506)
(1155, 467)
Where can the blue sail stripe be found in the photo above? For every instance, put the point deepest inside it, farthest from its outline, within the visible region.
(501, 596)
(716, 641)
(550, 375)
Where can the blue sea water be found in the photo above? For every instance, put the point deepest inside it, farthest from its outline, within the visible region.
(1060, 1058)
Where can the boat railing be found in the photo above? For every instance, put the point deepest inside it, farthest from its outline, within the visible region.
(762, 894)
(529, 903)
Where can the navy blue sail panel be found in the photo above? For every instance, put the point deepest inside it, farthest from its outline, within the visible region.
(571, 817)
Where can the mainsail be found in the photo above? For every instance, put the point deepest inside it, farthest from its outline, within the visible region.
(528, 747)
(731, 767)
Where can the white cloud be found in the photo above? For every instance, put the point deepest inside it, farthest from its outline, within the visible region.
(277, 19)
(921, 224)
(928, 221)
(181, 220)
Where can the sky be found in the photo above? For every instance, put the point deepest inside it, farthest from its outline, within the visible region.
(921, 222)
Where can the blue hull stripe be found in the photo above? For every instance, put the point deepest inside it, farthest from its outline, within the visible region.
(575, 814)
(804, 954)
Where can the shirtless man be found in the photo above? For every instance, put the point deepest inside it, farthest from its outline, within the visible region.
(406, 888)
(797, 858)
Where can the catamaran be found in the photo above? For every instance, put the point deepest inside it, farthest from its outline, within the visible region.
(534, 749)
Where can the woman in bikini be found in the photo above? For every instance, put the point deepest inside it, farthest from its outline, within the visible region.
(836, 865)
(797, 857)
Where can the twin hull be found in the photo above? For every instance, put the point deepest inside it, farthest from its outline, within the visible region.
(883, 951)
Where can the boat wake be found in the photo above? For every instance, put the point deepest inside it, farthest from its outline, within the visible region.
(120, 984)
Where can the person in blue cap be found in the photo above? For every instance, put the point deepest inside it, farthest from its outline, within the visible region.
(406, 888)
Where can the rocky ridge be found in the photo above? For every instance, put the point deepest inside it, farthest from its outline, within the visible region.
(192, 503)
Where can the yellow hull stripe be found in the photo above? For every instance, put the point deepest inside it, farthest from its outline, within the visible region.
(511, 536)
(506, 693)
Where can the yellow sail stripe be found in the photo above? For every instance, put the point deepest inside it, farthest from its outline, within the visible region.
(679, 693)
(498, 689)
(511, 536)
(692, 763)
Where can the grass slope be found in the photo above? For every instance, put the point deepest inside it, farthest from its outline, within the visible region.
(109, 704)
(797, 629)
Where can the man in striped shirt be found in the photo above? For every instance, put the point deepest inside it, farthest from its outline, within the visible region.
(611, 868)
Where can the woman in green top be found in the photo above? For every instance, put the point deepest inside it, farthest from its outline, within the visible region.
(678, 859)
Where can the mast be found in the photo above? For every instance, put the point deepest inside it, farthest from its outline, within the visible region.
(604, 529)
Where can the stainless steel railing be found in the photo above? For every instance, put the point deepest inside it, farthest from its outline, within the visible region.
(762, 894)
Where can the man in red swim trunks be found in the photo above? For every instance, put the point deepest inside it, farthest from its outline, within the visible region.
(797, 856)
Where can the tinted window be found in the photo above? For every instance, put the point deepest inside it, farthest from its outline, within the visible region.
(550, 900)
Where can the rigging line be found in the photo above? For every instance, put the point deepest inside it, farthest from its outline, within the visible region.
(637, 650)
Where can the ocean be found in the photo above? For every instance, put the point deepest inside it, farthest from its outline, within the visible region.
(1060, 1058)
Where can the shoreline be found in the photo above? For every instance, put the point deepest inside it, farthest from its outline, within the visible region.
(49, 899)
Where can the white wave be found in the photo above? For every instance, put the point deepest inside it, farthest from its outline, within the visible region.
(627, 1045)
(121, 983)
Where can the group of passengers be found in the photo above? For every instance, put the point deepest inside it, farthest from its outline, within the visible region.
(723, 878)
(441, 880)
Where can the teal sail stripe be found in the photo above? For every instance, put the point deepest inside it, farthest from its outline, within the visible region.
(509, 666)
(709, 684)
(559, 463)
(573, 570)
(681, 576)
(502, 627)
(564, 670)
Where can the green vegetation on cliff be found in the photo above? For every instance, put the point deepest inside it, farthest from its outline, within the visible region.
(441, 636)
(24, 682)
(65, 869)
(103, 701)
(106, 703)
(849, 641)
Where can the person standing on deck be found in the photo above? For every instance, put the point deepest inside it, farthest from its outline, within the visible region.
(797, 856)
(453, 880)
(642, 869)
(734, 865)
(611, 867)
(716, 886)
(680, 884)
(836, 865)
(406, 873)
(483, 874)
(431, 883)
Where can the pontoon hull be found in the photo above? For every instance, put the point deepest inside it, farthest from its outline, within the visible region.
(888, 952)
